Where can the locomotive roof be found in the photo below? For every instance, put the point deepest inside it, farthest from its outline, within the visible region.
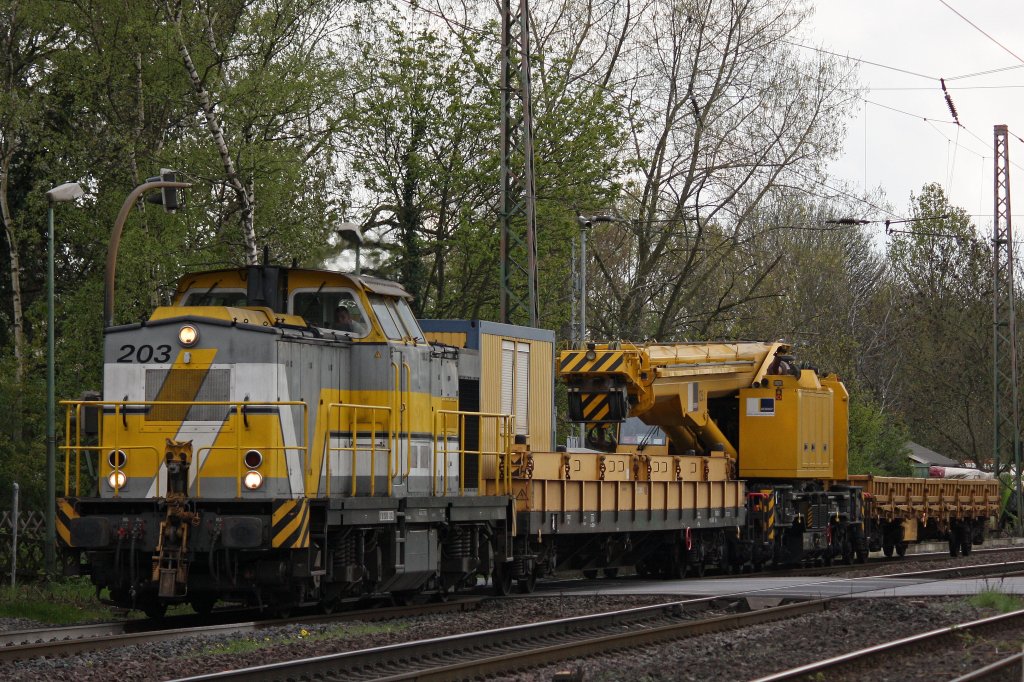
(297, 278)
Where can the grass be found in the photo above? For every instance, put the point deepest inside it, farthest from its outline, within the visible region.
(58, 602)
(998, 601)
(340, 632)
(64, 601)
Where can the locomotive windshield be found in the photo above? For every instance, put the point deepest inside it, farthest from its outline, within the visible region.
(215, 297)
(396, 318)
(331, 308)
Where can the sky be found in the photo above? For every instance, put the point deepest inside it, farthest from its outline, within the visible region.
(899, 151)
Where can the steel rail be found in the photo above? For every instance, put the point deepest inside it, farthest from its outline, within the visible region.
(494, 651)
(872, 562)
(1011, 667)
(869, 654)
(22, 644)
(37, 635)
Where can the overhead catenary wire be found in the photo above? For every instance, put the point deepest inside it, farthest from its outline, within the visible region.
(982, 31)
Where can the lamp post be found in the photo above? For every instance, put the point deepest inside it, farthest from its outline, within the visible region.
(354, 234)
(69, 191)
(586, 222)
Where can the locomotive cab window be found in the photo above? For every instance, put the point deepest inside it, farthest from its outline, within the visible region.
(396, 318)
(333, 308)
(412, 327)
(202, 296)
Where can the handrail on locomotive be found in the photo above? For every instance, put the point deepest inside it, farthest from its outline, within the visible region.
(493, 459)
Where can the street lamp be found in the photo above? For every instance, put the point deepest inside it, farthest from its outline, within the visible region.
(69, 191)
(586, 222)
(354, 234)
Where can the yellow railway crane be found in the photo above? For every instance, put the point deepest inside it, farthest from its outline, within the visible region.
(747, 399)
(782, 429)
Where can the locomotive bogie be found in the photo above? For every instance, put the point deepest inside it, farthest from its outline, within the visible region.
(257, 554)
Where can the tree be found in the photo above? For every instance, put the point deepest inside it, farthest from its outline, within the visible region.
(30, 38)
(424, 140)
(943, 343)
(878, 440)
(724, 117)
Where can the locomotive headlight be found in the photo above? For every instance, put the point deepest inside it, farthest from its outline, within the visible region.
(117, 479)
(188, 335)
(253, 459)
(252, 480)
(117, 459)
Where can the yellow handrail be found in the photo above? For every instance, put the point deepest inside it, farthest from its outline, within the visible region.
(407, 417)
(354, 448)
(501, 449)
(237, 422)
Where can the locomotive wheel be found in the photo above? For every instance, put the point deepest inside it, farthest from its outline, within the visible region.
(528, 584)
(402, 598)
(953, 544)
(862, 556)
(901, 549)
(154, 609)
(590, 573)
(203, 604)
(612, 572)
(675, 568)
(965, 547)
(501, 580)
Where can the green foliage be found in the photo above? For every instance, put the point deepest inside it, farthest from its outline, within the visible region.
(60, 602)
(942, 298)
(877, 439)
(1001, 602)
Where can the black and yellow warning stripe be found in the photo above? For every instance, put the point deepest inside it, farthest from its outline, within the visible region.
(590, 361)
(595, 407)
(770, 522)
(66, 513)
(290, 524)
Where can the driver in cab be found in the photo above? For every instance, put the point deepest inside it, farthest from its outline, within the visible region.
(343, 321)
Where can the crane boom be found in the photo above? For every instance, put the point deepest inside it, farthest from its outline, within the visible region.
(746, 400)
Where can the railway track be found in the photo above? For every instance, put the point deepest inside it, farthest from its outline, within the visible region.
(514, 648)
(494, 651)
(859, 661)
(65, 641)
(1009, 669)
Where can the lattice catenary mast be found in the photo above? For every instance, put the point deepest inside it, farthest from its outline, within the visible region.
(1006, 436)
(519, 301)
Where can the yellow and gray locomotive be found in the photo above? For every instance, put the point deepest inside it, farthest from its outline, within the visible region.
(282, 437)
